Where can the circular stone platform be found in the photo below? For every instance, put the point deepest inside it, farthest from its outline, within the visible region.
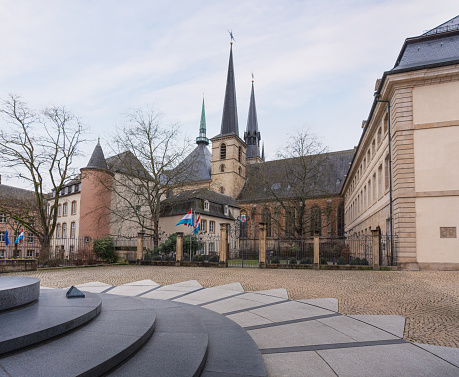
(17, 291)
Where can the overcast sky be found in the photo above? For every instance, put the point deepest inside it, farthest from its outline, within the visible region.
(315, 62)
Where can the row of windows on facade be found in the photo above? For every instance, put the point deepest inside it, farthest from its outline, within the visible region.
(4, 220)
(62, 209)
(223, 152)
(30, 253)
(371, 153)
(29, 237)
(315, 221)
(64, 230)
(223, 169)
(370, 192)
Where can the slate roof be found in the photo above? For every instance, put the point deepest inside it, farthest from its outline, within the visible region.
(197, 165)
(97, 160)
(437, 46)
(181, 203)
(126, 163)
(253, 146)
(10, 194)
(273, 177)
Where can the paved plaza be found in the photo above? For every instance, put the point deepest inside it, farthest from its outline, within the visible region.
(429, 300)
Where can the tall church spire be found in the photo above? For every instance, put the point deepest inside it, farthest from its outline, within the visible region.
(229, 118)
(252, 136)
(202, 139)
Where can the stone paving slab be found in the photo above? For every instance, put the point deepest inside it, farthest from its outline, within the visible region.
(142, 282)
(93, 287)
(394, 324)
(290, 310)
(325, 303)
(230, 287)
(240, 303)
(402, 360)
(131, 290)
(206, 295)
(246, 319)
(446, 353)
(281, 292)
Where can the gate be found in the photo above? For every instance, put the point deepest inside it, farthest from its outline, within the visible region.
(243, 250)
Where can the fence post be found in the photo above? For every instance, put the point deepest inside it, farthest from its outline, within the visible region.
(179, 249)
(139, 254)
(262, 246)
(223, 244)
(375, 247)
(316, 251)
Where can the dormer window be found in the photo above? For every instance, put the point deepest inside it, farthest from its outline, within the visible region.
(206, 205)
(226, 210)
(223, 151)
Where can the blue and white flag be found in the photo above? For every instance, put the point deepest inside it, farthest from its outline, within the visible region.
(186, 220)
(5, 238)
(197, 225)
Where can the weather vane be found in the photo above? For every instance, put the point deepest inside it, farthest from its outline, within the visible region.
(253, 76)
(231, 35)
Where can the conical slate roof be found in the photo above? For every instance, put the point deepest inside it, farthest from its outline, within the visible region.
(252, 136)
(229, 118)
(97, 160)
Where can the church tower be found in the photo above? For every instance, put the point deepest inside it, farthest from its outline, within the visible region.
(252, 136)
(228, 149)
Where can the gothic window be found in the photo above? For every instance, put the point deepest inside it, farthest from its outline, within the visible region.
(222, 168)
(316, 217)
(267, 221)
(240, 170)
(239, 154)
(223, 151)
(290, 222)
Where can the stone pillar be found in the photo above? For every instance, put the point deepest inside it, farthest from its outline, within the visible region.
(316, 251)
(139, 254)
(375, 247)
(262, 246)
(224, 244)
(179, 249)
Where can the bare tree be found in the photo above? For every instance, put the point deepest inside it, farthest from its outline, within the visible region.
(302, 173)
(38, 148)
(149, 164)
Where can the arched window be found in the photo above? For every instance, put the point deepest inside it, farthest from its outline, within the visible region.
(222, 190)
(222, 168)
(316, 220)
(267, 221)
(239, 154)
(290, 222)
(240, 170)
(223, 151)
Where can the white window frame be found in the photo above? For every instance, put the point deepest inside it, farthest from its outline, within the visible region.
(206, 205)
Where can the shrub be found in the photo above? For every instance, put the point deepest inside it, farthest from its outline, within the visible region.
(341, 261)
(214, 258)
(355, 261)
(292, 261)
(364, 262)
(198, 258)
(275, 260)
(305, 261)
(323, 261)
(105, 248)
(157, 258)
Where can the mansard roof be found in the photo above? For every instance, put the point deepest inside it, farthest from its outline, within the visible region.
(439, 45)
(267, 180)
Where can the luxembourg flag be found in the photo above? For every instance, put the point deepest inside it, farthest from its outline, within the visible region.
(20, 237)
(197, 225)
(186, 220)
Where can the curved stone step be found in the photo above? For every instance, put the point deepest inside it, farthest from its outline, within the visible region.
(177, 348)
(16, 291)
(122, 327)
(52, 315)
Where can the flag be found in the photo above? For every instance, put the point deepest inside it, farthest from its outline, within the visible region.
(5, 238)
(20, 237)
(186, 220)
(197, 225)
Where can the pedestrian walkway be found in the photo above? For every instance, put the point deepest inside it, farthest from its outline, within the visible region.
(305, 337)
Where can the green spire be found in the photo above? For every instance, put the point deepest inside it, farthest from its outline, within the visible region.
(202, 128)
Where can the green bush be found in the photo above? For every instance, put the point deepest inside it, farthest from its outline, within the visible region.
(157, 258)
(275, 260)
(355, 261)
(341, 261)
(323, 261)
(292, 261)
(105, 248)
(305, 261)
(198, 258)
(214, 258)
(364, 262)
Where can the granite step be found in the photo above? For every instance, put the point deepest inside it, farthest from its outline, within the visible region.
(52, 315)
(122, 328)
(17, 291)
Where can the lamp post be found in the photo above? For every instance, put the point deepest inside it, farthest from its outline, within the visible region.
(391, 229)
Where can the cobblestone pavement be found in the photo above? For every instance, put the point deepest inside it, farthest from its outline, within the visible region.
(428, 299)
